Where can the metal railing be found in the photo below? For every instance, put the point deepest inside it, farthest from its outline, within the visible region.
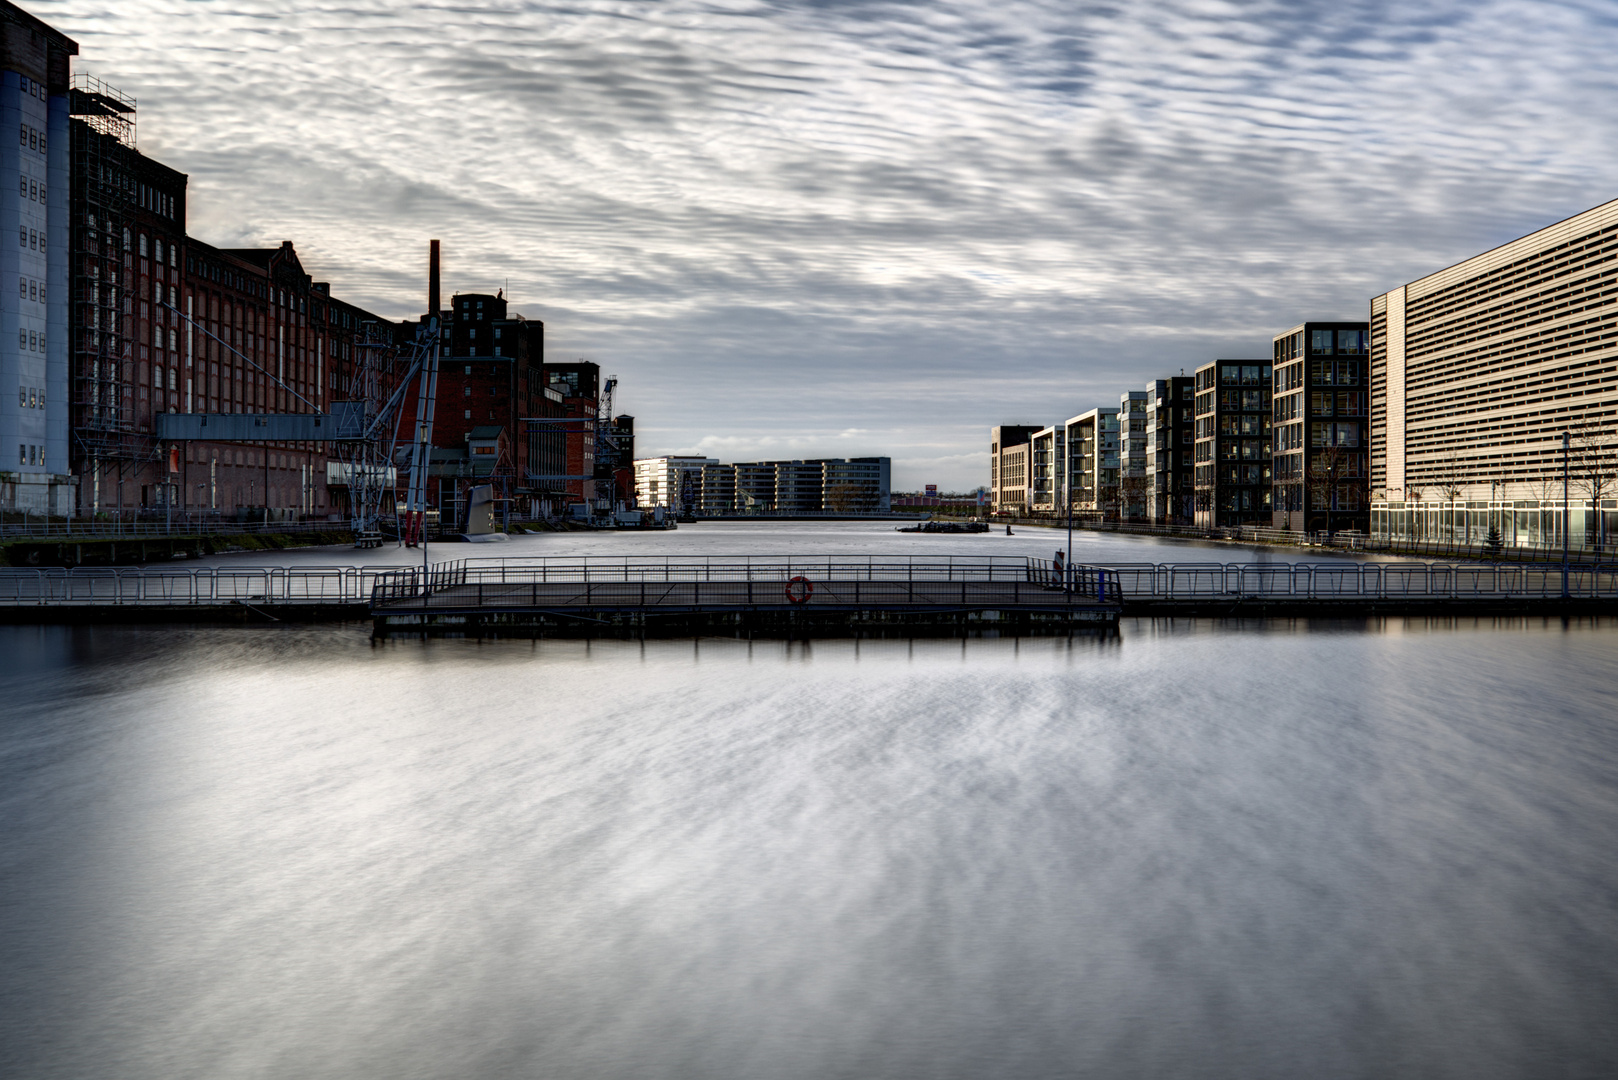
(17, 528)
(210, 586)
(1368, 581)
(975, 577)
(406, 584)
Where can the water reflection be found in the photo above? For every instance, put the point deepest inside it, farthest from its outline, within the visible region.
(1257, 849)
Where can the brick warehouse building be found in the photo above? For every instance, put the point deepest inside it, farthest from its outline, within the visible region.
(125, 324)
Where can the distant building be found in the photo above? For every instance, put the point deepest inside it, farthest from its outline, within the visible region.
(1320, 446)
(671, 481)
(754, 486)
(1048, 469)
(1010, 464)
(579, 386)
(1170, 447)
(1233, 443)
(799, 487)
(857, 485)
(1092, 448)
(1132, 471)
(1477, 370)
(615, 460)
(718, 489)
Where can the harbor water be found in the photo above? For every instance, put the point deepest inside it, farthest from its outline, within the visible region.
(1195, 849)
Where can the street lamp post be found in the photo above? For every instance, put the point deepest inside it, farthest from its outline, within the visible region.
(1565, 441)
(1067, 497)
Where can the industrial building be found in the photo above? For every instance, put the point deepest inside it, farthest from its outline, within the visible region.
(1477, 373)
(131, 334)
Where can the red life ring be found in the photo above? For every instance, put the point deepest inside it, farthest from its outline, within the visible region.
(796, 595)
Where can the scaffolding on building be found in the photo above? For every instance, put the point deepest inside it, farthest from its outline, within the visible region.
(102, 201)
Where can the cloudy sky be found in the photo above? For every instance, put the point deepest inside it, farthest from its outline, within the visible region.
(840, 227)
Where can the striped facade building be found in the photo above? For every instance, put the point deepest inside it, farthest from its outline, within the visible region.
(1477, 372)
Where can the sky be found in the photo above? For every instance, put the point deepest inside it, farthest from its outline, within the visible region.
(848, 228)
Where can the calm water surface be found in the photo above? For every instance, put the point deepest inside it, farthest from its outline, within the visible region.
(791, 538)
(1196, 850)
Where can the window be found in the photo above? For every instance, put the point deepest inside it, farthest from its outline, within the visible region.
(1351, 342)
(466, 391)
(158, 248)
(143, 245)
(1320, 342)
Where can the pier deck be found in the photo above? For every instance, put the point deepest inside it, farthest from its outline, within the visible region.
(820, 596)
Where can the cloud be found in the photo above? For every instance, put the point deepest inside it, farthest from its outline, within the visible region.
(783, 220)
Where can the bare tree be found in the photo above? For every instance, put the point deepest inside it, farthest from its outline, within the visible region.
(1132, 496)
(1593, 463)
(1451, 481)
(1548, 490)
(1322, 477)
(847, 497)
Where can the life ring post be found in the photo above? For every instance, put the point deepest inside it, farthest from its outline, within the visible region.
(799, 590)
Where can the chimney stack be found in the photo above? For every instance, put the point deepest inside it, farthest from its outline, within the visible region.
(432, 281)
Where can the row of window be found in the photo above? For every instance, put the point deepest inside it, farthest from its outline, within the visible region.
(1321, 403)
(30, 189)
(1245, 450)
(32, 138)
(1244, 424)
(30, 454)
(30, 289)
(31, 341)
(1322, 343)
(30, 397)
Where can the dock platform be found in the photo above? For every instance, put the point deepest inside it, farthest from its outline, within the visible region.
(742, 596)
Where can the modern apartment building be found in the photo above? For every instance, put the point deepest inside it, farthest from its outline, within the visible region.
(1320, 411)
(672, 481)
(1478, 370)
(1047, 452)
(1132, 482)
(1092, 449)
(858, 485)
(35, 69)
(1010, 467)
(1170, 446)
(755, 486)
(718, 489)
(1233, 422)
